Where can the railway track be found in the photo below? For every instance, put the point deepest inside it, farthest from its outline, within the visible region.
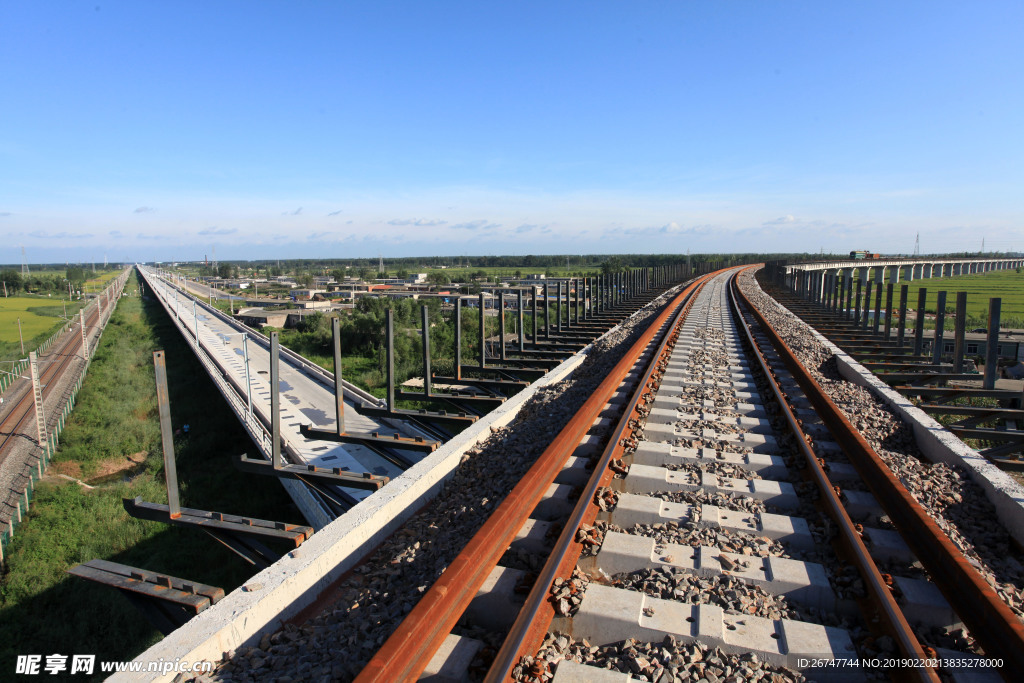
(52, 366)
(708, 513)
(21, 457)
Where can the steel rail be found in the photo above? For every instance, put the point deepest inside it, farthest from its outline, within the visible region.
(530, 627)
(408, 651)
(72, 341)
(999, 631)
(893, 620)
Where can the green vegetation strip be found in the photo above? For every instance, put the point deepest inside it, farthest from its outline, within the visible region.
(112, 441)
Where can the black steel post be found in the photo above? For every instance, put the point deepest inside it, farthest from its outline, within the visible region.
(389, 321)
(339, 392)
(940, 319)
(501, 322)
(568, 304)
(888, 311)
(576, 289)
(856, 306)
(586, 298)
(959, 330)
(849, 295)
(878, 309)
(166, 434)
(558, 305)
(992, 348)
(458, 335)
(275, 401)
(547, 313)
(426, 350)
(519, 310)
(901, 330)
(533, 296)
(483, 332)
(922, 298)
(867, 306)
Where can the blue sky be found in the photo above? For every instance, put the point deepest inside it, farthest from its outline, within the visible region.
(157, 130)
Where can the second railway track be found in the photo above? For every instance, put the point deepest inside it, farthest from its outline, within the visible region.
(703, 516)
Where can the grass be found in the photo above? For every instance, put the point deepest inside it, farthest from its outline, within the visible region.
(1007, 284)
(40, 315)
(42, 609)
(102, 279)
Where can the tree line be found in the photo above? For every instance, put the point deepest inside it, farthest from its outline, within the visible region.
(43, 283)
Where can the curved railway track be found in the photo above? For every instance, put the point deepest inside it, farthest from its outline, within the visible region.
(708, 513)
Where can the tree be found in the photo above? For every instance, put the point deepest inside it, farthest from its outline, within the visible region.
(437, 278)
(306, 280)
(76, 275)
(11, 279)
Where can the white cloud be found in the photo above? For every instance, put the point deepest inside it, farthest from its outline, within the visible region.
(421, 222)
(481, 224)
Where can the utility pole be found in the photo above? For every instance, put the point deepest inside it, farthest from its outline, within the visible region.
(20, 338)
(37, 394)
(85, 337)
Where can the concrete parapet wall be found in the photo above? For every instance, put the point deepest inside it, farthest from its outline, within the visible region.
(939, 445)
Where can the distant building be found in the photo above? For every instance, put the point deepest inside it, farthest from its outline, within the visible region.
(258, 318)
(306, 293)
(1010, 347)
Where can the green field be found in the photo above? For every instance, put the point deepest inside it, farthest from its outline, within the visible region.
(40, 317)
(1006, 284)
(101, 280)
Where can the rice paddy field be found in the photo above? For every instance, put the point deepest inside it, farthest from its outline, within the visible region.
(1006, 284)
(40, 317)
(102, 279)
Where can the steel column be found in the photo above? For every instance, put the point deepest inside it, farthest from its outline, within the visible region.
(959, 331)
(425, 314)
(275, 401)
(922, 298)
(940, 319)
(166, 434)
(992, 349)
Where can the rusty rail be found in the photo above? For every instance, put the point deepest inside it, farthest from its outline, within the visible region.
(57, 361)
(410, 648)
(988, 618)
(893, 620)
(528, 631)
